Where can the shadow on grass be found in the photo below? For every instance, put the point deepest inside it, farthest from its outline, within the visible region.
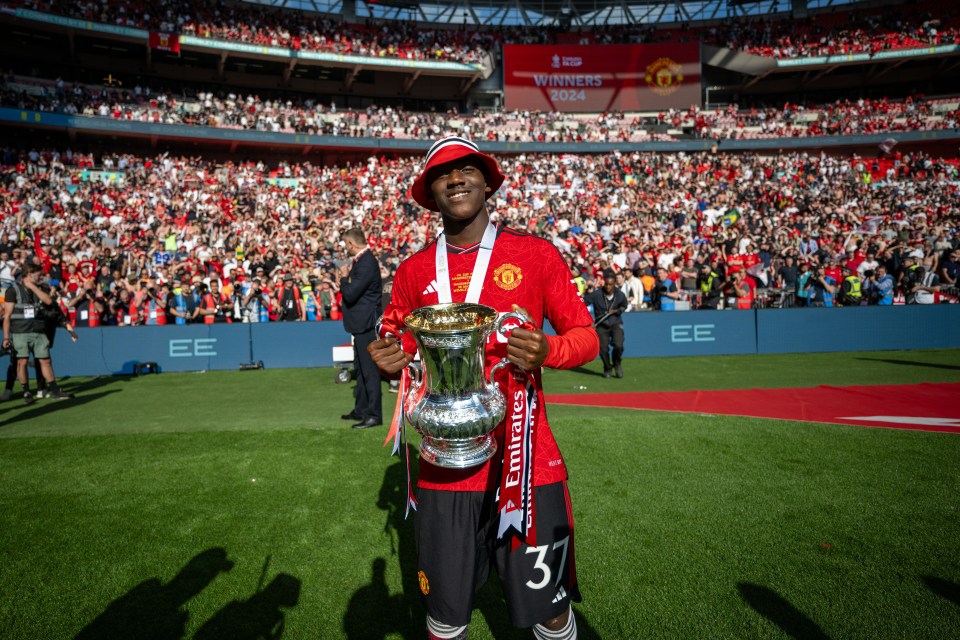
(943, 588)
(153, 610)
(259, 616)
(913, 363)
(772, 606)
(372, 612)
(43, 407)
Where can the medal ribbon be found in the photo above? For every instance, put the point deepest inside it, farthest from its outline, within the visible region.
(479, 269)
(398, 433)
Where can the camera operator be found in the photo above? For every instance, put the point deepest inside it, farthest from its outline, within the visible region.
(87, 305)
(24, 328)
(125, 309)
(153, 306)
(54, 316)
(237, 293)
(882, 286)
(927, 289)
(257, 303)
(289, 302)
(820, 288)
(910, 277)
(215, 307)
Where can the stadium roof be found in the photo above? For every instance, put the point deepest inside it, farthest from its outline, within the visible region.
(563, 13)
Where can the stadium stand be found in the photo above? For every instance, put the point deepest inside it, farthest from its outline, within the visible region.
(130, 221)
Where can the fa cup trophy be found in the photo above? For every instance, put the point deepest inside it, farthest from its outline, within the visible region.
(450, 402)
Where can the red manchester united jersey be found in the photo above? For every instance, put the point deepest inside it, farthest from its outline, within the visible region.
(526, 271)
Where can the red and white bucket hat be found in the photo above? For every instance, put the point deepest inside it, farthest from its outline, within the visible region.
(447, 150)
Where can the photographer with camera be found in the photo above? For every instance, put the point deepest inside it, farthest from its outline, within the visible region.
(926, 289)
(289, 301)
(153, 306)
(820, 288)
(742, 287)
(257, 303)
(882, 286)
(215, 307)
(54, 316)
(25, 329)
(87, 305)
(910, 277)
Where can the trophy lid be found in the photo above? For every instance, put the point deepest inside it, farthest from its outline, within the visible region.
(454, 316)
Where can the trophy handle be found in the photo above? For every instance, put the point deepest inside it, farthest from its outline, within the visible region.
(416, 373)
(507, 316)
(497, 367)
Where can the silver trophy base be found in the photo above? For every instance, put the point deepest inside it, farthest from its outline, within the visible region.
(457, 453)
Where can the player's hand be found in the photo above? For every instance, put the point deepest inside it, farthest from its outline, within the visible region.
(525, 348)
(388, 356)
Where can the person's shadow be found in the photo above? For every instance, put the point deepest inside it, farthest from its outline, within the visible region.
(372, 612)
(259, 617)
(943, 588)
(153, 610)
(775, 608)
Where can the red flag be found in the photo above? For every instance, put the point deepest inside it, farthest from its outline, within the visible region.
(164, 41)
(45, 260)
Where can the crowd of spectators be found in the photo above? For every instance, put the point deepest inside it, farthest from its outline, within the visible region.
(846, 31)
(307, 115)
(127, 237)
(285, 28)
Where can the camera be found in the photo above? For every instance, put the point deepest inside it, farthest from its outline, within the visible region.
(8, 351)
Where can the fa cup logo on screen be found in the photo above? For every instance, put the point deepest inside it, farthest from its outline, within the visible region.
(566, 61)
(664, 76)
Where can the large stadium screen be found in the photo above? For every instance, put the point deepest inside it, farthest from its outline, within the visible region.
(574, 78)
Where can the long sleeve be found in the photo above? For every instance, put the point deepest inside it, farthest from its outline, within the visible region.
(577, 346)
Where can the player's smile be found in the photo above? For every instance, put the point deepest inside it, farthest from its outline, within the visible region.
(459, 188)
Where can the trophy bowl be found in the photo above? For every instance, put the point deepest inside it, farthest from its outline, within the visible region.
(450, 402)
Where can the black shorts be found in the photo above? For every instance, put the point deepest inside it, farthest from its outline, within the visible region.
(457, 542)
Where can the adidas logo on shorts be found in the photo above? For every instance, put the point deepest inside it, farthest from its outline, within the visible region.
(561, 594)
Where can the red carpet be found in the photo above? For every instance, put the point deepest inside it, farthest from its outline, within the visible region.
(925, 407)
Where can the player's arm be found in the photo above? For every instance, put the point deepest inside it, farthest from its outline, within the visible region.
(8, 308)
(576, 342)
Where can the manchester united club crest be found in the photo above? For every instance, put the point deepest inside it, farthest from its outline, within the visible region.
(507, 276)
(424, 583)
(664, 76)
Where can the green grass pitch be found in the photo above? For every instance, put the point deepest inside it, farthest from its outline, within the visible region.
(238, 505)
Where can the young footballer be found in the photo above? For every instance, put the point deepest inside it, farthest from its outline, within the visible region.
(468, 520)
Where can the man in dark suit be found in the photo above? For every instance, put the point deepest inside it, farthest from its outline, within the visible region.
(361, 290)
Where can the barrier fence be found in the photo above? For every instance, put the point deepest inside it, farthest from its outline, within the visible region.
(117, 351)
